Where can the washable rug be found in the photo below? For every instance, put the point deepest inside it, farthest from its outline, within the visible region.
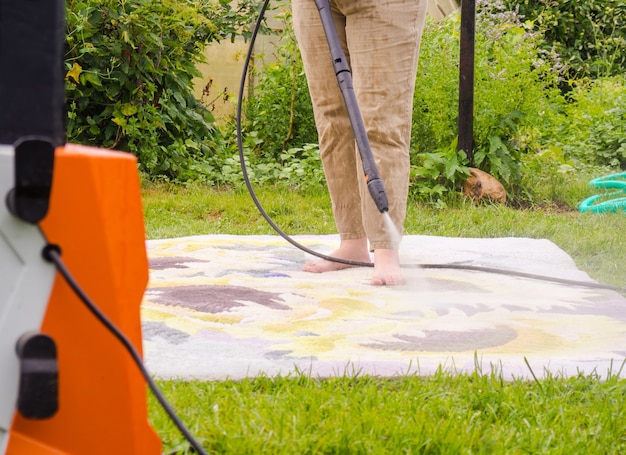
(229, 307)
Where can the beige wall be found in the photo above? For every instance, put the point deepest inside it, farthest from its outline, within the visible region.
(225, 60)
(441, 8)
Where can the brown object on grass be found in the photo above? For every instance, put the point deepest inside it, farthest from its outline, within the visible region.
(482, 186)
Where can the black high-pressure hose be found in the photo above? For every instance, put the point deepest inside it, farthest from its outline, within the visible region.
(375, 184)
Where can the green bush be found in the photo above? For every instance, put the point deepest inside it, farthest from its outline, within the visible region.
(592, 129)
(590, 35)
(129, 76)
(278, 109)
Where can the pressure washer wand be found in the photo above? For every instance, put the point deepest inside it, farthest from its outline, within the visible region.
(375, 184)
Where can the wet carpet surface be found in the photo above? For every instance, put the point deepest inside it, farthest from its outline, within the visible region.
(222, 307)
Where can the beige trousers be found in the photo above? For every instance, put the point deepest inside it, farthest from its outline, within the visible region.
(381, 40)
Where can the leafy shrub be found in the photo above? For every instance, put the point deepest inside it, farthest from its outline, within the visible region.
(278, 109)
(593, 126)
(129, 70)
(590, 35)
(298, 166)
(438, 172)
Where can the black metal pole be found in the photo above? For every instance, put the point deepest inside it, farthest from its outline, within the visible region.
(466, 79)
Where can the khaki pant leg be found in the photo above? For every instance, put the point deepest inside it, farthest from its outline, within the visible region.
(381, 40)
(336, 139)
(384, 38)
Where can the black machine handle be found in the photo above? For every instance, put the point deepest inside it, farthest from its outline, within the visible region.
(32, 100)
(34, 163)
(375, 184)
(38, 396)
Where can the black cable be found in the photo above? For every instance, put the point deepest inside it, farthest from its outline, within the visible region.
(280, 232)
(532, 276)
(52, 253)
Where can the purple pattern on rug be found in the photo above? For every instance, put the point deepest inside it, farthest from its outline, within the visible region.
(170, 263)
(449, 341)
(215, 298)
(152, 330)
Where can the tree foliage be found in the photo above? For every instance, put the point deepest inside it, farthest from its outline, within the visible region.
(589, 35)
(129, 69)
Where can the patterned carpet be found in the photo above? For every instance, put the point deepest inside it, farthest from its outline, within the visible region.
(235, 306)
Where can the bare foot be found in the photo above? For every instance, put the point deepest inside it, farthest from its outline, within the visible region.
(387, 268)
(351, 250)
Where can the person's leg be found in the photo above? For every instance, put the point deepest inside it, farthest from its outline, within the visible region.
(383, 38)
(336, 140)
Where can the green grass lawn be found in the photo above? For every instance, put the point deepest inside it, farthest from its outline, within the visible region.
(444, 413)
(447, 413)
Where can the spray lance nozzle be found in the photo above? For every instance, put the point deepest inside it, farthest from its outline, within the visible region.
(376, 188)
